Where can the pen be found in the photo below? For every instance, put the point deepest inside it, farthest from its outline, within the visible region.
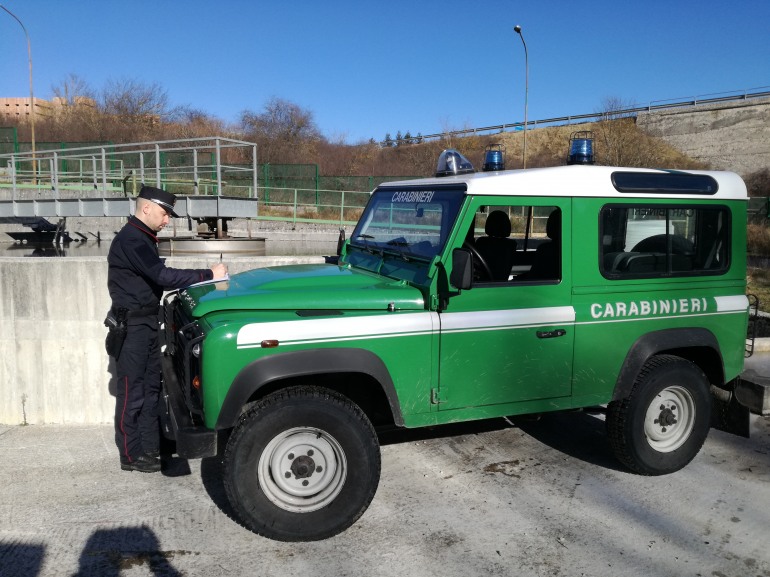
(220, 257)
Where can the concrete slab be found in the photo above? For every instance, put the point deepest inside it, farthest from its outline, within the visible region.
(542, 498)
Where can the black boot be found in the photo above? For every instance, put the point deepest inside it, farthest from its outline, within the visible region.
(143, 463)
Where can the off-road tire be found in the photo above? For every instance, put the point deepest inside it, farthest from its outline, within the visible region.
(664, 421)
(302, 464)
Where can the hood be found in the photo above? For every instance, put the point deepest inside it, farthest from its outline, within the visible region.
(303, 287)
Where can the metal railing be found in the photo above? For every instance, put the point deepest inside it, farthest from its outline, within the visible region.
(212, 177)
(762, 91)
(339, 207)
(181, 166)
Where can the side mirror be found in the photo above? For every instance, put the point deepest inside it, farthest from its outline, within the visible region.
(462, 269)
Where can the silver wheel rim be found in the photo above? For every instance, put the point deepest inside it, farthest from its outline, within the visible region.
(302, 469)
(670, 419)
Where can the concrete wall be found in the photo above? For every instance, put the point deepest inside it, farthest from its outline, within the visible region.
(728, 136)
(53, 368)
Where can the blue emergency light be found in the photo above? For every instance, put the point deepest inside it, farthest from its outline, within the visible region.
(581, 147)
(494, 158)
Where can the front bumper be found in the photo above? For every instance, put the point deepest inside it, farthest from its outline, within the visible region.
(193, 441)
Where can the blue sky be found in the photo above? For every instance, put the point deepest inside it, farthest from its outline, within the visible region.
(365, 69)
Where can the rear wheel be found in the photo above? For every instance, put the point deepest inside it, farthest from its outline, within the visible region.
(663, 423)
(302, 464)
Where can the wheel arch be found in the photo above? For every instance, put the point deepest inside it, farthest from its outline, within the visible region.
(697, 345)
(335, 369)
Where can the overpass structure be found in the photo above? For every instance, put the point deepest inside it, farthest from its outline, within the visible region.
(654, 106)
(212, 177)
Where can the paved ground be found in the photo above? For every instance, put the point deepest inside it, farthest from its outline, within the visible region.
(542, 498)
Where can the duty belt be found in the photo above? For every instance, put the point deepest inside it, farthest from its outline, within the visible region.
(144, 312)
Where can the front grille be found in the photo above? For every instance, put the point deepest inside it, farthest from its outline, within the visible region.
(182, 334)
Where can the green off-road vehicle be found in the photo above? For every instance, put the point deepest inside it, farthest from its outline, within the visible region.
(472, 295)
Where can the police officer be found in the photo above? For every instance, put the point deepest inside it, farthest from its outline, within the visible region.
(136, 279)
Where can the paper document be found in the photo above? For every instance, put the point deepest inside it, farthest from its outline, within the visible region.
(212, 281)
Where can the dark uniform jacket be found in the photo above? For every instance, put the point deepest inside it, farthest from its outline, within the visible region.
(136, 276)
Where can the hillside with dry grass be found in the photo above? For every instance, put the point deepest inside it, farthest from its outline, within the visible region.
(617, 142)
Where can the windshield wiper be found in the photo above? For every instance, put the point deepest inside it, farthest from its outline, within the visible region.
(400, 244)
(366, 237)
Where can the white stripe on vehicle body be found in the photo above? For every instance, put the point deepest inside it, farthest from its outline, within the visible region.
(337, 329)
(734, 303)
(506, 319)
(341, 329)
(403, 325)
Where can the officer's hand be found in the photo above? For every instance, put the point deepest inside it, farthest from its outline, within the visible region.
(219, 270)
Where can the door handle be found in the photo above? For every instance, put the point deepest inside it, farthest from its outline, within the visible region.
(551, 334)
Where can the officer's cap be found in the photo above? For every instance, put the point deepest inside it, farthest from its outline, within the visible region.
(160, 197)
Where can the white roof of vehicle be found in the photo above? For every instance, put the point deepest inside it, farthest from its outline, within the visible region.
(576, 180)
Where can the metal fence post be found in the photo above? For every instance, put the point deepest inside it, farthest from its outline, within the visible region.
(266, 180)
(195, 171)
(254, 175)
(12, 170)
(104, 171)
(157, 165)
(219, 168)
(342, 208)
(54, 175)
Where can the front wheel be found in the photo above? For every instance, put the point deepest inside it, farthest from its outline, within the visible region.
(663, 423)
(302, 464)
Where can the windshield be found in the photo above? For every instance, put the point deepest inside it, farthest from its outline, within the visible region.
(407, 222)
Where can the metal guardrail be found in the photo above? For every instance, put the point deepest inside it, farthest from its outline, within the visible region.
(762, 91)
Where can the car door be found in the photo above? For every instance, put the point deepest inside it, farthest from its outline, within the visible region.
(511, 340)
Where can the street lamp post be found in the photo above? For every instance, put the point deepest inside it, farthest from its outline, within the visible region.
(31, 93)
(517, 29)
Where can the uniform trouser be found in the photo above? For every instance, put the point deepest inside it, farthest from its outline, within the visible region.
(137, 428)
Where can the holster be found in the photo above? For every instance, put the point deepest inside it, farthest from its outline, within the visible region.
(118, 329)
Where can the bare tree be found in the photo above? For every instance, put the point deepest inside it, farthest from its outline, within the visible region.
(134, 110)
(73, 114)
(616, 133)
(285, 131)
(187, 122)
(621, 143)
(72, 91)
(133, 98)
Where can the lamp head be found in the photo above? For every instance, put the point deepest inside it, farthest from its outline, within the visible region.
(517, 29)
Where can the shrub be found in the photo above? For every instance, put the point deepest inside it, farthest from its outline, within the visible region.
(758, 239)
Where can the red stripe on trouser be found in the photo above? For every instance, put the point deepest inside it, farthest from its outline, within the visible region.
(122, 416)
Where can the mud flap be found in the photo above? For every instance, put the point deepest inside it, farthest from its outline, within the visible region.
(753, 391)
(728, 414)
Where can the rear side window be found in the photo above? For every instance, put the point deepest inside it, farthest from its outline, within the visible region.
(647, 241)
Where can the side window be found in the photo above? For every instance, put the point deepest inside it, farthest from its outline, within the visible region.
(516, 243)
(652, 241)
